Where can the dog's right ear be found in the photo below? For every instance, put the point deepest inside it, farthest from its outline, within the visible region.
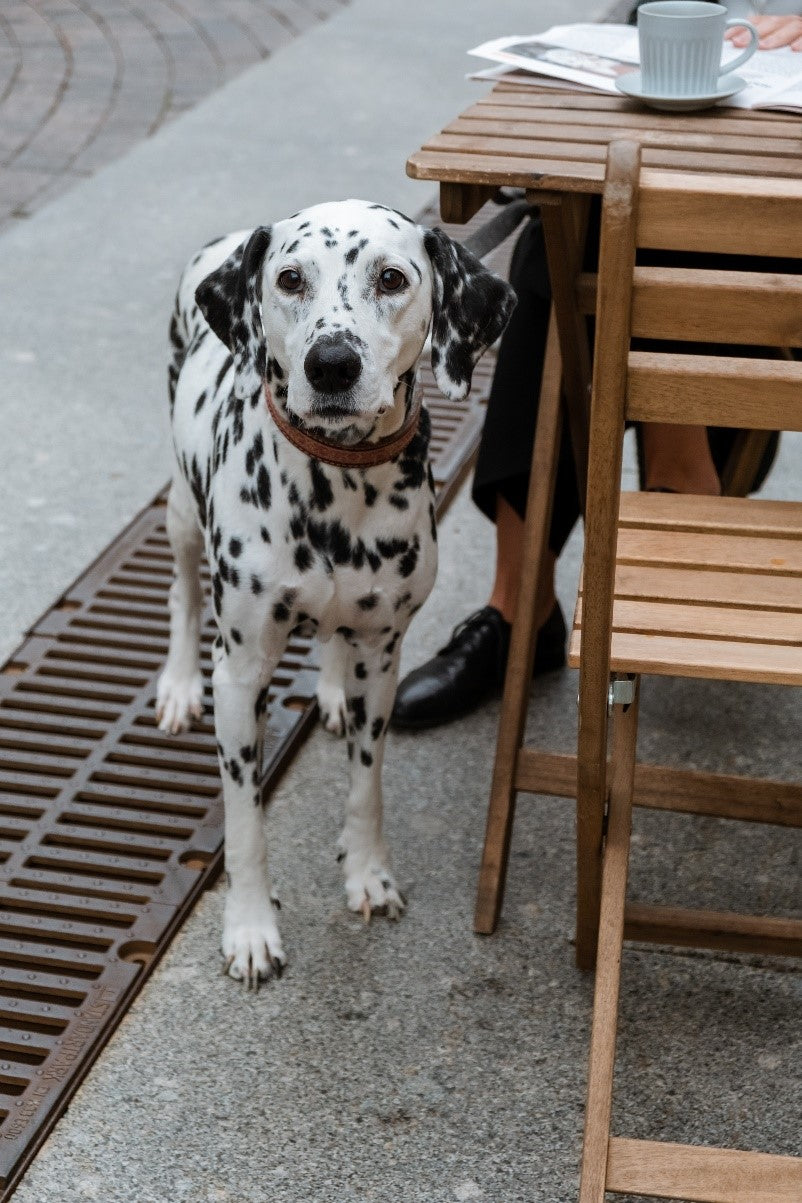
(229, 298)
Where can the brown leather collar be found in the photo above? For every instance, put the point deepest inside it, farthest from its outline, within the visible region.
(358, 455)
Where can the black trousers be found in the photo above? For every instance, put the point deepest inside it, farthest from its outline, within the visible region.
(505, 451)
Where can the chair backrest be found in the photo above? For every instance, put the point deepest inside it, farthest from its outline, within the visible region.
(748, 306)
(717, 301)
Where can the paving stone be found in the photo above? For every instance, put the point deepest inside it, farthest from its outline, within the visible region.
(82, 83)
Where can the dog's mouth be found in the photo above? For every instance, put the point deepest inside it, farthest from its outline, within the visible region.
(333, 409)
(336, 417)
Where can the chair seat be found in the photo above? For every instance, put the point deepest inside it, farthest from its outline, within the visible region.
(706, 587)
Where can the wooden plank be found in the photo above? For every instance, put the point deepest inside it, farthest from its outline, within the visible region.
(762, 213)
(506, 110)
(708, 622)
(764, 394)
(657, 787)
(727, 553)
(743, 799)
(616, 263)
(730, 515)
(674, 583)
(499, 170)
(749, 308)
(712, 139)
(459, 202)
(707, 659)
(690, 928)
(570, 100)
(518, 677)
(564, 231)
(598, 1107)
(704, 1175)
(676, 158)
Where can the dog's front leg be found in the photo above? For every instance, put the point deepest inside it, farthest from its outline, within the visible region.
(180, 690)
(370, 684)
(251, 940)
(330, 691)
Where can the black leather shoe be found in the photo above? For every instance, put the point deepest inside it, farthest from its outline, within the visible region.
(470, 669)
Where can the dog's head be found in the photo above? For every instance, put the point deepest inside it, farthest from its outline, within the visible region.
(333, 307)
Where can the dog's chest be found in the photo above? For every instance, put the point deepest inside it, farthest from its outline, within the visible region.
(291, 541)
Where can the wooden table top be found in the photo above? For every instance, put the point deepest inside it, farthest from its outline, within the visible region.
(549, 139)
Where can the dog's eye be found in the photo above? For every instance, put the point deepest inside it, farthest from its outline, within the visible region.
(290, 280)
(392, 280)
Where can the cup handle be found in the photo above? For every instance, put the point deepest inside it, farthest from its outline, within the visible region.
(745, 54)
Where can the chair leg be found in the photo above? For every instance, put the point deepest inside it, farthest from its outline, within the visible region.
(565, 229)
(501, 807)
(608, 966)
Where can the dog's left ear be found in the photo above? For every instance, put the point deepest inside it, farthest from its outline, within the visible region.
(471, 307)
(229, 299)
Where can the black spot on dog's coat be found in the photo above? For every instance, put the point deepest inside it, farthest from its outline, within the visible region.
(356, 708)
(322, 493)
(263, 487)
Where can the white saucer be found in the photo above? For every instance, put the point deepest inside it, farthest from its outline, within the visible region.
(728, 85)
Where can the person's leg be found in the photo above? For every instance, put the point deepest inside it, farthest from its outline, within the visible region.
(678, 458)
(509, 544)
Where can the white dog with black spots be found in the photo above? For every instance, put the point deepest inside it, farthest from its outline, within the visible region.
(326, 313)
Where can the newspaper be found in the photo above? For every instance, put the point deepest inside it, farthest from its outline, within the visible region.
(594, 56)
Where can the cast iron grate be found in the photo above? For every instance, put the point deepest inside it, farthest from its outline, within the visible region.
(109, 830)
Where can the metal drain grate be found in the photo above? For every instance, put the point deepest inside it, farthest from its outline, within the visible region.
(109, 830)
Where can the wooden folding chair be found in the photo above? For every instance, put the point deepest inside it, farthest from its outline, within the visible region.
(681, 586)
(565, 391)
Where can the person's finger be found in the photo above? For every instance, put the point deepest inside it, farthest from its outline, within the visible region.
(768, 24)
(764, 25)
(781, 31)
(775, 40)
(797, 45)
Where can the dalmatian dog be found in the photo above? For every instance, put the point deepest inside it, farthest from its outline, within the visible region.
(302, 470)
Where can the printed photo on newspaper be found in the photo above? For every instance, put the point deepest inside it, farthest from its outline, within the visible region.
(594, 56)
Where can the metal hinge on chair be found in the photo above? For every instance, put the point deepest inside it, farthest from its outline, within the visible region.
(605, 818)
(621, 691)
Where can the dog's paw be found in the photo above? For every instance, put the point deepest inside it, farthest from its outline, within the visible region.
(331, 702)
(370, 888)
(178, 701)
(251, 946)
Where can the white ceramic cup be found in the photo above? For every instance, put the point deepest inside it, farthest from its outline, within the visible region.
(681, 46)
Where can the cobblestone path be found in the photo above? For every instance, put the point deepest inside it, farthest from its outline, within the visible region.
(81, 81)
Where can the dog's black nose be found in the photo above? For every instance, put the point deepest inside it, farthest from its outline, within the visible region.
(332, 366)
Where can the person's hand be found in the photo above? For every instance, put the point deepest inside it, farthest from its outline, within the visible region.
(774, 32)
